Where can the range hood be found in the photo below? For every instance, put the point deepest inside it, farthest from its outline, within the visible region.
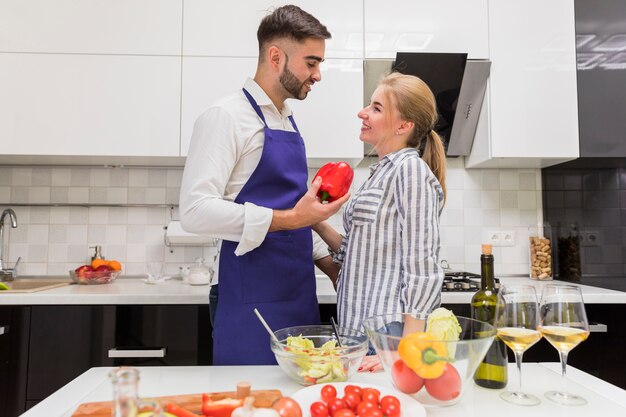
(458, 85)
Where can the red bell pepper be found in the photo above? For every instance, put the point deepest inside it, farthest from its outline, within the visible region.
(219, 408)
(179, 411)
(336, 180)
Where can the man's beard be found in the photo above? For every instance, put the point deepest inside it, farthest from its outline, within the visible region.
(292, 84)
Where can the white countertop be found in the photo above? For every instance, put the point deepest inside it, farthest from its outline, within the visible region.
(135, 291)
(603, 399)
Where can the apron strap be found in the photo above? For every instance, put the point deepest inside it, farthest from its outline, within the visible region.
(258, 111)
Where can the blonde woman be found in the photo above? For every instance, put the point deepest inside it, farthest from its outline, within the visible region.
(389, 253)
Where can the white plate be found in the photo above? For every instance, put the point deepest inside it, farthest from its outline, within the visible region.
(409, 407)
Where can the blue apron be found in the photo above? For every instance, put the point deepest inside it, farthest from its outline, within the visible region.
(278, 277)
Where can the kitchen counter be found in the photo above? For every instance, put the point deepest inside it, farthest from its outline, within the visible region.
(94, 385)
(135, 291)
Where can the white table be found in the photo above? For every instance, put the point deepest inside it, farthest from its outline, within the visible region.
(604, 400)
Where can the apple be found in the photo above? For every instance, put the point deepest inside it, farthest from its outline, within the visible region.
(104, 268)
(84, 271)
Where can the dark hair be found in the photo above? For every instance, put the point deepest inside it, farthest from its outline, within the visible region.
(290, 22)
(416, 103)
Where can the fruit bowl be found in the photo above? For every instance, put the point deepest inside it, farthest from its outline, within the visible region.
(434, 372)
(301, 353)
(94, 277)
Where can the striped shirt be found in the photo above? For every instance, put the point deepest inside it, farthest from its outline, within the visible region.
(391, 248)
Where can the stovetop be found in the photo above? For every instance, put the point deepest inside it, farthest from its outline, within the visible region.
(463, 282)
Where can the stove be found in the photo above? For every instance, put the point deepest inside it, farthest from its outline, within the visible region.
(463, 282)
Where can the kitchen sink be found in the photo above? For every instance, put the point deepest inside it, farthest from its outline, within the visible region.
(26, 285)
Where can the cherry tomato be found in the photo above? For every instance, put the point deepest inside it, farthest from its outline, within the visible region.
(352, 400)
(371, 395)
(335, 405)
(328, 393)
(319, 409)
(287, 407)
(447, 386)
(364, 406)
(353, 388)
(390, 406)
(372, 412)
(344, 413)
(405, 379)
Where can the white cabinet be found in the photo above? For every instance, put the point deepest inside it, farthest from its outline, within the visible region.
(151, 27)
(426, 26)
(533, 95)
(229, 28)
(326, 118)
(89, 105)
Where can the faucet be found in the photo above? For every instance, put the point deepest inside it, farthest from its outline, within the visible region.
(7, 274)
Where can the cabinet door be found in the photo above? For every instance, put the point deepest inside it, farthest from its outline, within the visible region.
(150, 27)
(89, 105)
(65, 341)
(229, 28)
(14, 333)
(533, 99)
(426, 26)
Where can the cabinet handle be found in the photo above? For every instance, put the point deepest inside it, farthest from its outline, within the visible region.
(598, 328)
(4, 330)
(137, 353)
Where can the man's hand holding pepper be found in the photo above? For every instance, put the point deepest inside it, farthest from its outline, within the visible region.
(308, 211)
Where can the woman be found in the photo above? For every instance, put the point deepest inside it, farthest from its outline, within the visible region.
(389, 255)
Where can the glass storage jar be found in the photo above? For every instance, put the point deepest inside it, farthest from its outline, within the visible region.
(540, 249)
(569, 252)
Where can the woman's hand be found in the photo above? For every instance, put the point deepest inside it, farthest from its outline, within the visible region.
(371, 364)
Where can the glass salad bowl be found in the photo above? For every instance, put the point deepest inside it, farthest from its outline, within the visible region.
(435, 369)
(310, 354)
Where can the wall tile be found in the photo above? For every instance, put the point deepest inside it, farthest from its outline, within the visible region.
(78, 195)
(491, 179)
(60, 177)
(57, 234)
(59, 195)
(21, 177)
(5, 194)
(526, 200)
(472, 199)
(99, 177)
(80, 177)
(157, 178)
(527, 181)
(508, 199)
(572, 182)
(138, 178)
(509, 179)
(41, 177)
(6, 176)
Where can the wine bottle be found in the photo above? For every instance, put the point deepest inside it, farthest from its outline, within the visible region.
(492, 371)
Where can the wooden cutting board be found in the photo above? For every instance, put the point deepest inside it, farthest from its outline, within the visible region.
(192, 402)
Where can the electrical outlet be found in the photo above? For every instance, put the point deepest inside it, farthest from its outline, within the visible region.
(590, 238)
(501, 237)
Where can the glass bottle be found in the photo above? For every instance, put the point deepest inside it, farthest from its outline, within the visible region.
(126, 402)
(569, 252)
(492, 371)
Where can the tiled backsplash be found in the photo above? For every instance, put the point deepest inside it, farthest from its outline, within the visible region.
(594, 199)
(59, 217)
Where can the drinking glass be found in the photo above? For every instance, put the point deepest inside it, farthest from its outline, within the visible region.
(517, 319)
(564, 324)
(154, 272)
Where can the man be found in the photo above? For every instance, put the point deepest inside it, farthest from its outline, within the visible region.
(245, 182)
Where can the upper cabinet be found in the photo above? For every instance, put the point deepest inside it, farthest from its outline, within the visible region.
(229, 28)
(426, 26)
(533, 112)
(145, 27)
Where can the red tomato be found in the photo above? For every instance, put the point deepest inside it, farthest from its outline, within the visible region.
(328, 393)
(344, 413)
(287, 407)
(371, 395)
(335, 405)
(372, 412)
(390, 406)
(352, 400)
(405, 379)
(319, 409)
(364, 406)
(353, 388)
(447, 386)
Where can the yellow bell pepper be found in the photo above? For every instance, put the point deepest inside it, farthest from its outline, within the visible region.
(425, 356)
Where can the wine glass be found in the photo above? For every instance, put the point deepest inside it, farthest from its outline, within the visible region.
(517, 319)
(564, 324)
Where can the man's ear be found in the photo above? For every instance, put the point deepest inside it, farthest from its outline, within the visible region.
(275, 56)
